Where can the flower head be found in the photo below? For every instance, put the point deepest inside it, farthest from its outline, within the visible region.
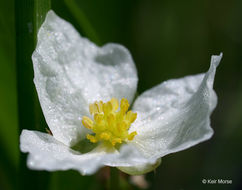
(110, 125)
(85, 93)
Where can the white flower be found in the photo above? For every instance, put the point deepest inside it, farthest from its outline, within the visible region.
(73, 74)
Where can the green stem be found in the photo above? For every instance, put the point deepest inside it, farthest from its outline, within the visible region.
(114, 179)
(29, 15)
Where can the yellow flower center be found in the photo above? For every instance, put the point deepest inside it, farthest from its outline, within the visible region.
(109, 123)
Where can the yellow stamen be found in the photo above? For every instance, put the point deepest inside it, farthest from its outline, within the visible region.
(131, 116)
(87, 122)
(124, 105)
(107, 107)
(91, 138)
(110, 124)
(98, 118)
(114, 103)
(117, 140)
(96, 107)
(105, 136)
(132, 135)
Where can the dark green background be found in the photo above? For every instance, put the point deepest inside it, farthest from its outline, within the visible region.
(168, 39)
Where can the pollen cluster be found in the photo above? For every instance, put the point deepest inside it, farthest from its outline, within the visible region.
(110, 124)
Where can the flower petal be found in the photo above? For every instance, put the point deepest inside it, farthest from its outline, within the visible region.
(141, 169)
(49, 154)
(46, 153)
(175, 115)
(71, 72)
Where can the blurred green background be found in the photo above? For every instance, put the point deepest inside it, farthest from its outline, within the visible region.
(168, 39)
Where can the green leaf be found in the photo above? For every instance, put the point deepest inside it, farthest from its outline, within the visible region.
(29, 16)
(8, 111)
(8, 105)
(82, 20)
(41, 7)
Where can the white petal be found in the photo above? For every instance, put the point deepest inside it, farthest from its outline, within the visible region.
(46, 153)
(141, 169)
(71, 72)
(175, 115)
(49, 154)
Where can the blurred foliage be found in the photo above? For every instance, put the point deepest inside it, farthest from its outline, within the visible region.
(8, 112)
(29, 15)
(168, 39)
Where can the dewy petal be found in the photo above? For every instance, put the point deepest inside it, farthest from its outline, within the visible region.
(71, 72)
(175, 115)
(49, 154)
(46, 153)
